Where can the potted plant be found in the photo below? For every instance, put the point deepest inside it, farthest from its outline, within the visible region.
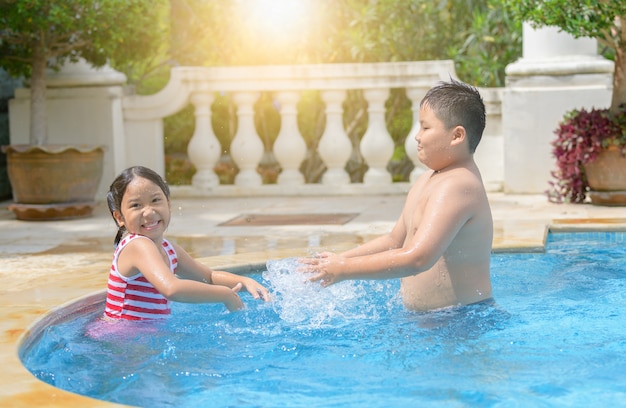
(37, 35)
(588, 143)
(590, 150)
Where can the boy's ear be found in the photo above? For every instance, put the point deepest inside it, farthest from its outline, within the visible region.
(119, 219)
(458, 135)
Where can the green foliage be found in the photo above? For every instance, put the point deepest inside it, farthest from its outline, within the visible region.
(35, 34)
(491, 42)
(580, 18)
(177, 131)
(224, 33)
(311, 122)
(117, 30)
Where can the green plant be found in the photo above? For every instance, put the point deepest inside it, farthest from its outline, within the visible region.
(40, 34)
(489, 44)
(580, 138)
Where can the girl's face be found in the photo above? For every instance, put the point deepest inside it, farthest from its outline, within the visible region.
(145, 209)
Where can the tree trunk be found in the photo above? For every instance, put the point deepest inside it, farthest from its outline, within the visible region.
(38, 109)
(619, 74)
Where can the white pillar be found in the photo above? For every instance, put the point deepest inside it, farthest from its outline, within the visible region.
(557, 73)
(550, 42)
(376, 145)
(289, 147)
(204, 149)
(490, 153)
(246, 148)
(334, 147)
(415, 95)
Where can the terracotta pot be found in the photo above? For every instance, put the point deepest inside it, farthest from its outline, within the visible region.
(53, 181)
(606, 176)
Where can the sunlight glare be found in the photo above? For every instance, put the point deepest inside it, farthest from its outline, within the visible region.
(276, 17)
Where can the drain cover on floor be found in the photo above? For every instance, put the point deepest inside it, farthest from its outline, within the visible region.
(288, 219)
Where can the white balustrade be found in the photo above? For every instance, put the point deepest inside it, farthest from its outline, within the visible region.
(198, 85)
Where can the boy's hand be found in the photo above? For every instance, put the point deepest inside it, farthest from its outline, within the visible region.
(326, 265)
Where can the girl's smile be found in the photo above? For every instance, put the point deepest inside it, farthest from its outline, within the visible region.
(151, 226)
(145, 209)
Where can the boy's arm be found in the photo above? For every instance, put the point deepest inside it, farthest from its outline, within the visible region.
(440, 226)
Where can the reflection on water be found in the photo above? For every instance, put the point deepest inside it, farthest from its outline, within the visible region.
(216, 246)
(207, 246)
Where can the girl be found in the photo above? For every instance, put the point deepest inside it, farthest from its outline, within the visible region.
(146, 267)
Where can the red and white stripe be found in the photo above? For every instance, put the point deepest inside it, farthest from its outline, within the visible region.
(134, 298)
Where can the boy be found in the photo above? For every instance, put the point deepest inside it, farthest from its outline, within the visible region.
(441, 245)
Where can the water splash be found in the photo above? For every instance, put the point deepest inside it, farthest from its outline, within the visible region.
(296, 300)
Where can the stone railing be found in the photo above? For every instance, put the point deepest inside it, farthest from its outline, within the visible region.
(143, 126)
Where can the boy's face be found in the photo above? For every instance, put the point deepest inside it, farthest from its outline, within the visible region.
(433, 140)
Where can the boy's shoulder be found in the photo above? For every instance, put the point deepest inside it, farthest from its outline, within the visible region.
(446, 184)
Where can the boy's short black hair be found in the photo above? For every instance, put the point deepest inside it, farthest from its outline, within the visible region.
(456, 103)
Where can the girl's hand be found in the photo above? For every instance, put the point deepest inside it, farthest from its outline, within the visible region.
(235, 302)
(257, 290)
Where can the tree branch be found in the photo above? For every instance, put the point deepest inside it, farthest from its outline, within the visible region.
(61, 49)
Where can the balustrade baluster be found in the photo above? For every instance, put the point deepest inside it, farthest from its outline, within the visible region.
(334, 146)
(415, 95)
(246, 148)
(204, 148)
(289, 147)
(377, 145)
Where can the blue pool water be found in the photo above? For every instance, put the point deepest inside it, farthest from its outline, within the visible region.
(555, 336)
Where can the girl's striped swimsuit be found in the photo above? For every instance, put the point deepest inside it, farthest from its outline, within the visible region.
(134, 298)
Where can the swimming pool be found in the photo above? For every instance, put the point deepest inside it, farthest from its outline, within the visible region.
(555, 336)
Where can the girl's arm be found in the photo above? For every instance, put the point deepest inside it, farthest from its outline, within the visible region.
(190, 268)
(143, 255)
